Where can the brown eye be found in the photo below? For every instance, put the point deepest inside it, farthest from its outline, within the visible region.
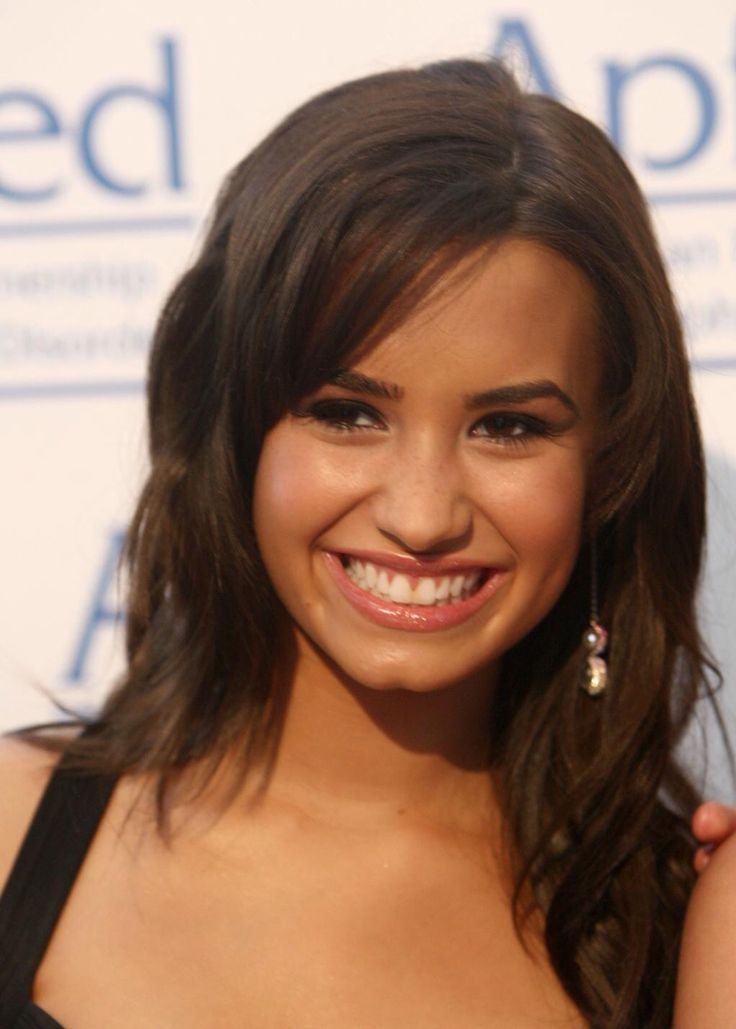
(511, 428)
(343, 415)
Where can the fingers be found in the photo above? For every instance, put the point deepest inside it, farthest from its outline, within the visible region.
(712, 823)
(701, 858)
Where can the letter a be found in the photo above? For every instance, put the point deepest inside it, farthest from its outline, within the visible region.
(515, 39)
(100, 611)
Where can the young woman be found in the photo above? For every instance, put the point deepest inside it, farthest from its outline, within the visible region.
(420, 427)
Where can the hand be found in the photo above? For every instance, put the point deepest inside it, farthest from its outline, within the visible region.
(712, 823)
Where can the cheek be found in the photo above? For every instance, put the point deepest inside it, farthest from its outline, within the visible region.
(280, 492)
(298, 491)
(539, 512)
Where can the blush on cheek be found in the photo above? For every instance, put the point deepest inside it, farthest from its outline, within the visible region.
(554, 529)
(282, 485)
(543, 513)
(546, 535)
(296, 482)
(283, 478)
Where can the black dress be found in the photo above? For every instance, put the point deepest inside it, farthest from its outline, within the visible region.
(43, 874)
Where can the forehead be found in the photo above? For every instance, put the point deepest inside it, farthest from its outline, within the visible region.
(520, 311)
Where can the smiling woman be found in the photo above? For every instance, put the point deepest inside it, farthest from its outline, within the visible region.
(419, 408)
(399, 497)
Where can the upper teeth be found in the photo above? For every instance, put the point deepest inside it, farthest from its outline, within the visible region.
(382, 582)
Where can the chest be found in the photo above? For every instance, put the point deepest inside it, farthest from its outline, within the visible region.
(276, 936)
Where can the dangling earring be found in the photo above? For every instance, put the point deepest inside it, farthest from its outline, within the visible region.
(595, 637)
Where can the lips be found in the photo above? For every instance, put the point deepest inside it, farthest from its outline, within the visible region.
(404, 593)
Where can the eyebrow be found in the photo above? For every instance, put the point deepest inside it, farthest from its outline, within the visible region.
(356, 382)
(521, 392)
(518, 393)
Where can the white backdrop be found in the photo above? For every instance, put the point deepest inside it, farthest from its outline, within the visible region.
(117, 122)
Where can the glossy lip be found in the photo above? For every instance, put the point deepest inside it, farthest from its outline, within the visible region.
(413, 617)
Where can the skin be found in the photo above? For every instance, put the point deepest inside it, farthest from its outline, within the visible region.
(705, 993)
(424, 476)
(712, 824)
(706, 996)
(366, 883)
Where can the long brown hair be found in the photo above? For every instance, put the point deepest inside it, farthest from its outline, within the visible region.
(323, 238)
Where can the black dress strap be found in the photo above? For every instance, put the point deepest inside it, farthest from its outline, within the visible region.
(42, 876)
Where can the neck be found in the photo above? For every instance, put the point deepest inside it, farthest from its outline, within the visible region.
(366, 755)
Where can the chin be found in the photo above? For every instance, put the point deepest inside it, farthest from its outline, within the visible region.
(411, 680)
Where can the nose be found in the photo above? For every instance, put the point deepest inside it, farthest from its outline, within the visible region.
(423, 504)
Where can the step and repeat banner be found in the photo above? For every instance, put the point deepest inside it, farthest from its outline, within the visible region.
(117, 123)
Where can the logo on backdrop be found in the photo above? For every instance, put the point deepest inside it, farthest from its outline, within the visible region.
(516, 36)
(117, 174)
(703, 128)
(104, 608)
(91, 188)
(64, 174)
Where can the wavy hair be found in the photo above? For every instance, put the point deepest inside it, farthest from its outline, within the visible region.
(324, 238)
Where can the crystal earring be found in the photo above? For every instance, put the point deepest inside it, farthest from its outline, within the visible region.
(595, 637)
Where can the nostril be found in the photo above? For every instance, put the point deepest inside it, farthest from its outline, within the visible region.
(429, 544)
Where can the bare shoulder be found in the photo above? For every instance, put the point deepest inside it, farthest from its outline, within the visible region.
(706, 994)
(24, 771)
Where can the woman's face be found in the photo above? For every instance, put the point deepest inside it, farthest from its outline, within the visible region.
(421, 513)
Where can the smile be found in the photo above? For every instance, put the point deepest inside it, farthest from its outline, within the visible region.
(389, 590)
(426, 591)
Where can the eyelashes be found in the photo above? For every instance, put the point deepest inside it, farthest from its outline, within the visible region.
(511, 428)
(501, 428)
(342, 415)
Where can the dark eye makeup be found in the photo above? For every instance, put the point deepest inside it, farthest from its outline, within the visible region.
(505, 428)
(341, 414)
(513, 427)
